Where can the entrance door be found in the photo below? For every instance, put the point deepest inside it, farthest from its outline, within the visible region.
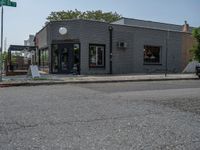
(64, 57)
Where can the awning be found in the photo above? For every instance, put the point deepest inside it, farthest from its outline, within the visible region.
(21, 48)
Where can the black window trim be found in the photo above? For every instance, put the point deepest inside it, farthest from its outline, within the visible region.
(94, 44)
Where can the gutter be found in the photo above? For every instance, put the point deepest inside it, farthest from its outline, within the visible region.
(110, 28)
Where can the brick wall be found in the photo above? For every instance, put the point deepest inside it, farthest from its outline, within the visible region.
(129, 60)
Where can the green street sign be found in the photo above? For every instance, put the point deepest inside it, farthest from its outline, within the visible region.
(8, 3)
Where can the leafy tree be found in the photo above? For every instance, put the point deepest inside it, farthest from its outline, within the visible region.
(196, 48)
(4, 56)
(76, 14)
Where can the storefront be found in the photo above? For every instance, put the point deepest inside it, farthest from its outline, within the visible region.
(94, 47)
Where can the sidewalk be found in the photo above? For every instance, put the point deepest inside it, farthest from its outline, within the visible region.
(70, 79)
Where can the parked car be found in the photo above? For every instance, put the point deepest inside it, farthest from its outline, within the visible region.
(198, 71)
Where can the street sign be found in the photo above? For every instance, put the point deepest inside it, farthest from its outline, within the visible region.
(8, 3)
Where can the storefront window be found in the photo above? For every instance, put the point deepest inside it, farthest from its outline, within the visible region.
(55, 60)
(152, 54)
(96, 56)
(76, 66)
(44, 60)
(76, 54)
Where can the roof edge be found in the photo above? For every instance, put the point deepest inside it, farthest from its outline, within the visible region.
(154, 22)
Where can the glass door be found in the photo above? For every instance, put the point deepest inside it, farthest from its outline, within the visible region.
(55, 58)
(66, 58)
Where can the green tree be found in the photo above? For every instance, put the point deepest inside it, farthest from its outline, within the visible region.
(4, 56)
(76, 14)
(195, 51)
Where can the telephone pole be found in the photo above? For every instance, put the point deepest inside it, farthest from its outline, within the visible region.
(1, 59)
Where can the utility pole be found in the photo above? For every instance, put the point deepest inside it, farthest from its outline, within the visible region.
(4, 3)
(1, 59)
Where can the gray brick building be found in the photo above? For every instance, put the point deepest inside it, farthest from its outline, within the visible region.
(125, 46)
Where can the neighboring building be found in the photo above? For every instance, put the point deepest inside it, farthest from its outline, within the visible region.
(125, 46)
(30, 41)
(29, 56)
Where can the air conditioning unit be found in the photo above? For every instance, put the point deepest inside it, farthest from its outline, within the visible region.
(122, 44)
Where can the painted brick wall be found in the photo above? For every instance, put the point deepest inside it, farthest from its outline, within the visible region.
(42, 38)
(93, 32)
(129, 60)
(86, 32)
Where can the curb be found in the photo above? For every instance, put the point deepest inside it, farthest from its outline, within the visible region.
(16, 84)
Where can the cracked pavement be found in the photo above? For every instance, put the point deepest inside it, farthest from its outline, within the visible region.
(112, 116)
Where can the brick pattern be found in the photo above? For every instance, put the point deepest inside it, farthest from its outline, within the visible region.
(129, 60)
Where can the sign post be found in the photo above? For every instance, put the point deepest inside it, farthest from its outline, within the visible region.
(3, 3)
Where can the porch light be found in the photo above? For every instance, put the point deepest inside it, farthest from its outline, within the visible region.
(63, 30)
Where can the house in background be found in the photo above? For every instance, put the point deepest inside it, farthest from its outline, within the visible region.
(30, 41)
(122, 47)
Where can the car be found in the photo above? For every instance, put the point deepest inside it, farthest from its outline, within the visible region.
(198, 71)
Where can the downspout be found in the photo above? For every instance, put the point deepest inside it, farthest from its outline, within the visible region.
(110, 28)
(39, 60)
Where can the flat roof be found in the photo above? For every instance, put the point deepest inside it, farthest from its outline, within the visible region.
(151, 24)
(140, 25)
(21, 48)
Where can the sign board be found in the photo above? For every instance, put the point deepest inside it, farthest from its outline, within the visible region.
(8, 3)
(34, 71)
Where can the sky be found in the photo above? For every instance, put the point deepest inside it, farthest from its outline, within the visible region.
(30, 15)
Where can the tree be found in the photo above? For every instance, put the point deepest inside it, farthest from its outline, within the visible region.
(4, 56)
(76, 14)
(196, 48)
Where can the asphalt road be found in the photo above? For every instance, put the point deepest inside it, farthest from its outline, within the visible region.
(112, 116)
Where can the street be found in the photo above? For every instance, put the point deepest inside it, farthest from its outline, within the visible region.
(109, 116)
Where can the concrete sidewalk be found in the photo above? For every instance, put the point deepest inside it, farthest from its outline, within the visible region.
(71, 79)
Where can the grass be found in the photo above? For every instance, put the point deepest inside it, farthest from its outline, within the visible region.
(38, 79)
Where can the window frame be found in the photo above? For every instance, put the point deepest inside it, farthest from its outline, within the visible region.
(44, 59)
(104, 59)
(160, 55)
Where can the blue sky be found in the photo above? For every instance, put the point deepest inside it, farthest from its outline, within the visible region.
(30, 15)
